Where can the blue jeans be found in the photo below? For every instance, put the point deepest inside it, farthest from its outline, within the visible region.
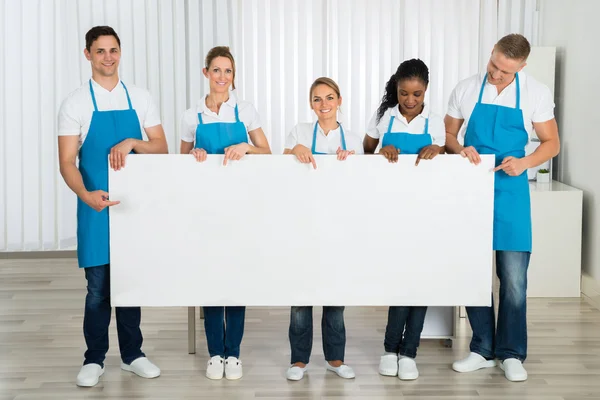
(96, 320)
(224, 328)
(509, 340)
(407, 320)
(301, 333)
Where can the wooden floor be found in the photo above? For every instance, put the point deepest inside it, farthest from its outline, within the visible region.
(41, 349)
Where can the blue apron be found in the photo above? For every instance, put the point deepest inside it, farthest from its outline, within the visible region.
(501, 131)
(408, 143)
(314, 141)
(107, 129)
(215, 137)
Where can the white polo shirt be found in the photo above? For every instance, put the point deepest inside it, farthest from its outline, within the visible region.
(246, 111)
(302, 134)
(536, 99)
(436, 128)
(76, 110)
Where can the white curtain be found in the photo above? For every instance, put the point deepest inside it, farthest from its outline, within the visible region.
(280, 47)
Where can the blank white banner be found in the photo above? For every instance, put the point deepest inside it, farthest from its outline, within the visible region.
(268, 231)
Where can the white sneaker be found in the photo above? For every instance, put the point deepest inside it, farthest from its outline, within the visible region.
(233, 368)
(295, 373)
(215, 368)
(343, 371)
(513, 370)
(388, 365)
(407, 369)
(472, 363)
(89, 375)
(142, 367)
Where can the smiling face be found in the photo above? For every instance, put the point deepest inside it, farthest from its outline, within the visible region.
(104, 55)
(325, 102)
(501, 70)
(411, 96)
(220, 74)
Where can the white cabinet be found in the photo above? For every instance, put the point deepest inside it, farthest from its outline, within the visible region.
(555, 267)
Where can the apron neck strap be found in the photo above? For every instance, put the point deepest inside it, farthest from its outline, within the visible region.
(237, 114)
(518, 102)
(94, 96)
(482, 87)
(426, 130)
(390, 124)
(314, 141)
(127, 93)
(343, 137)
(518, 105)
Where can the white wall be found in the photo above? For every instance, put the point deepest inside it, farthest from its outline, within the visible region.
(572, 26)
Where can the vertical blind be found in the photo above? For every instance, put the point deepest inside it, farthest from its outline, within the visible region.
(280, 47)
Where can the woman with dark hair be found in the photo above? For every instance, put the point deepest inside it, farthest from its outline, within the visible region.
(407, 127)
(403, 118)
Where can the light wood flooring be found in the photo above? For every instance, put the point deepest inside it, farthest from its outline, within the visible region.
(41, 349)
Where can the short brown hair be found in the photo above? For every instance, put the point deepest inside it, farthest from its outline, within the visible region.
(93, 34)
(514, 46)
(323, 81)
(220, 51)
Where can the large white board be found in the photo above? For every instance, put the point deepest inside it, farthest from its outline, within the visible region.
(268, 231)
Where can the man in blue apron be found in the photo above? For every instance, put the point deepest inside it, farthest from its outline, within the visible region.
(101, 123)
(501, 107)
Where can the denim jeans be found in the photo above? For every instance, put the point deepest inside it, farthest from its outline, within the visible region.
(301, 333)
(403, 330)
(224, 328)
(509, 340)
(96, 320)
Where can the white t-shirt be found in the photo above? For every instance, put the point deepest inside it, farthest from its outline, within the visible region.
(76, 110)
(302, 134)
(536, 99)
(436, 127)
(246, 112)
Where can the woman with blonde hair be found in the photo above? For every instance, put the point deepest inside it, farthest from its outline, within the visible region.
(325, 136)
(220, 123)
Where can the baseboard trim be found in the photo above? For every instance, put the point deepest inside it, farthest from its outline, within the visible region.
(590, 288)
(22, 255)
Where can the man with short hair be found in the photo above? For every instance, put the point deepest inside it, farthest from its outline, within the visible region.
(501, 107)
(102, 122)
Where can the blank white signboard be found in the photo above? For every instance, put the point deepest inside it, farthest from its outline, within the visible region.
(269, 231)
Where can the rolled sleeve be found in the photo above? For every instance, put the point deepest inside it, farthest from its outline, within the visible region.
(68, 120)
(437, 130)
(454, 104)
(152, 117)
(291, 140)
(253, 118)
(544, 108)
(372, 129)
(188, 126)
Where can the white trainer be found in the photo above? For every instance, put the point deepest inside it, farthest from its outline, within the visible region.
(343, 371)
(89, 375)
(233, 368)
(142, 367)
(295, 373)
(472, 363)
(388, 365)
(215, 368)
(407, 369)
(513, 370)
